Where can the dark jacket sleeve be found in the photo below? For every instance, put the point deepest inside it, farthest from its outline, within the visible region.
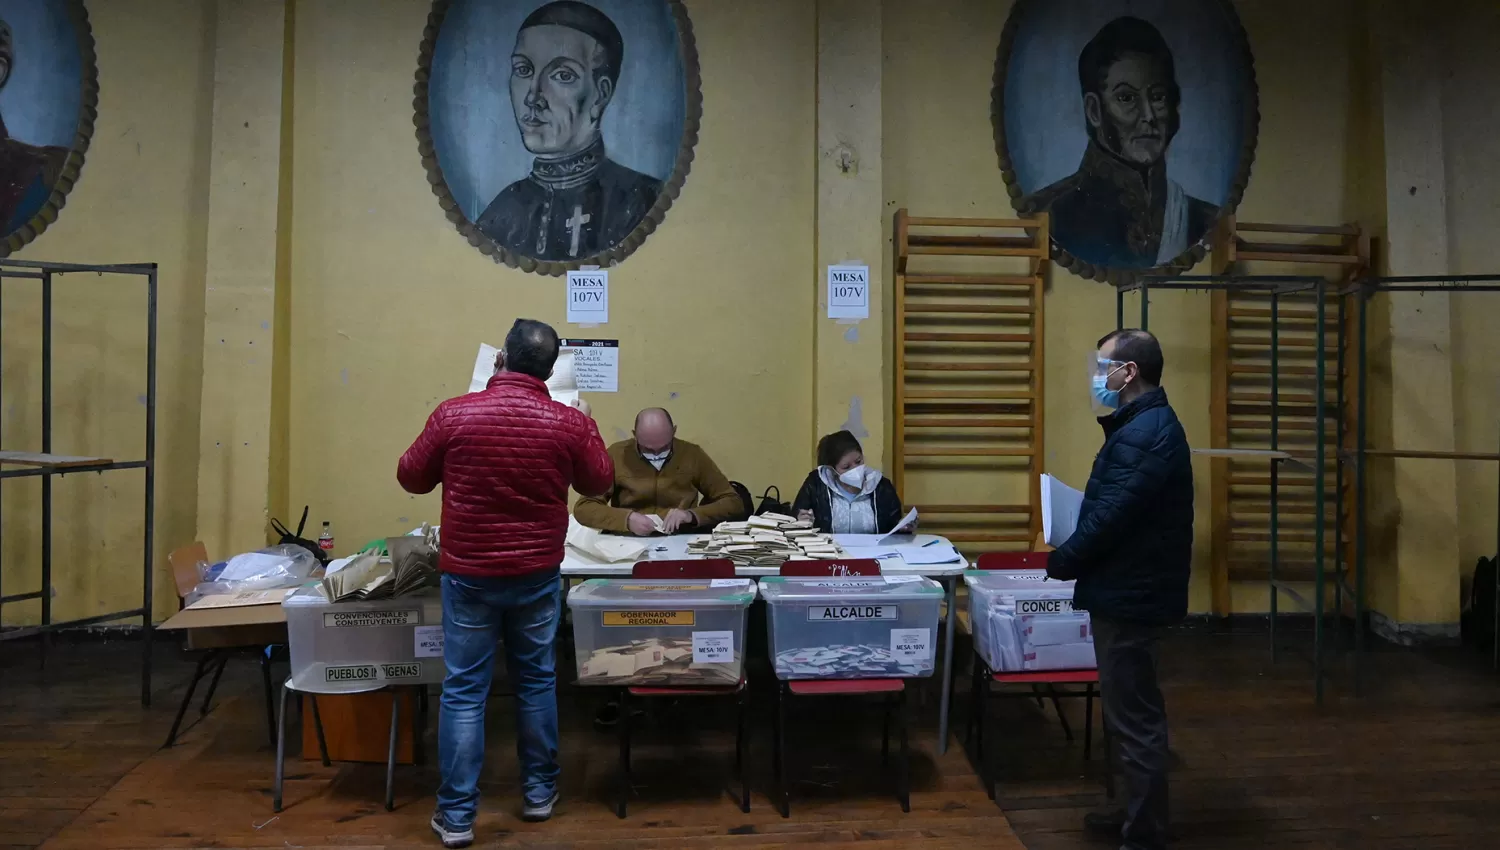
(1130, 478)
(807, 500)
(720, 502)
(421, 468)
(889, 507)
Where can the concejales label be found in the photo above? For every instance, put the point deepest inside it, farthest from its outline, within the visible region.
(1044, 606)
(843, 613)
(649, 618)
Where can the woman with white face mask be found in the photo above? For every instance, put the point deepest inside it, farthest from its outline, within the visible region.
(843, 496)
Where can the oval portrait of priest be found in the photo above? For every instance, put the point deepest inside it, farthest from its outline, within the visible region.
(48, 96)
(1131, 123)
(556, 133)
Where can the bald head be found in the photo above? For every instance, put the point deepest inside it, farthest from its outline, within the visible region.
(654, 431)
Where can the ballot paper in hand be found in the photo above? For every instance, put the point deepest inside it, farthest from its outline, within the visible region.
(1060, 508)
(562, 386)
(905, 528)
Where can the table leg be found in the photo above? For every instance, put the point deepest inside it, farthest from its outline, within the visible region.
(945, 699)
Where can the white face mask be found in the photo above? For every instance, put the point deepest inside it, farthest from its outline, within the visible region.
(854, 478)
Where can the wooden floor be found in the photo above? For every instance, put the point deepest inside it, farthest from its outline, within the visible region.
(1414, 764)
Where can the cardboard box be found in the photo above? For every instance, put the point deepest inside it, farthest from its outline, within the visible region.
(227, 628)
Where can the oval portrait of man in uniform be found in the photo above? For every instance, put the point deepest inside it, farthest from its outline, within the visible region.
(1131, 123)
(48, 96)
(557, 134)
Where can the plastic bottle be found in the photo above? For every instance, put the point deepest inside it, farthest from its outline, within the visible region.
(325, 540)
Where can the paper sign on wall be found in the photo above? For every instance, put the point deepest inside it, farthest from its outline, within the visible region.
(848, 292)
(588, 297)
(596, 364)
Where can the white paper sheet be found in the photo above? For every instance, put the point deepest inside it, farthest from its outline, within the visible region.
(902, 531)
(1060, 507)
(561, 386)
(914, 554)
(484, 368)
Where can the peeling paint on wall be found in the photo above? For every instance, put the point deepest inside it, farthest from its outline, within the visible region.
(852, 335)
(855, 424)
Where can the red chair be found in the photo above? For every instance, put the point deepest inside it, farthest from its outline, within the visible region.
(840, 567)
(892, 691)
(985, 679)
(689, 570)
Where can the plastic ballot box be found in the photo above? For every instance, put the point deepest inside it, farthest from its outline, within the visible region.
(684, 632)
(346, 647)
(1024, 621)
(852, 627)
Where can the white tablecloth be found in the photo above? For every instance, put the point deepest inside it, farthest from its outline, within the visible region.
(576, 563)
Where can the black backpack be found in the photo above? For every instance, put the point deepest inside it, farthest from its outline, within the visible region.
(290, 538)
(769, 505)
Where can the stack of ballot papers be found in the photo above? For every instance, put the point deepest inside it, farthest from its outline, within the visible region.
(655, 661)
(1025, 621)
(767, 540)
(863, 661)
(562, 386)
(411, 566)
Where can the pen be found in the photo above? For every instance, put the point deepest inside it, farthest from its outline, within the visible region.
(930, 542)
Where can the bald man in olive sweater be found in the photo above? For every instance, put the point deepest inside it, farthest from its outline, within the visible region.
(657, 474)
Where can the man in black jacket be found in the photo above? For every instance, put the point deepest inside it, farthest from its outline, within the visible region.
(1131, 554)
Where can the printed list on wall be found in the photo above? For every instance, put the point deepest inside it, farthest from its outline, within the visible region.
(596, 364)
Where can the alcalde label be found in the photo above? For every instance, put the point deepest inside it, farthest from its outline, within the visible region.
(841, 613)
(1044, 606)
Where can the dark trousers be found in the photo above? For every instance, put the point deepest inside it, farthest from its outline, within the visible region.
(1137, 720)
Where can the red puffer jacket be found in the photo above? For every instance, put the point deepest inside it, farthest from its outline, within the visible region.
(505, 458)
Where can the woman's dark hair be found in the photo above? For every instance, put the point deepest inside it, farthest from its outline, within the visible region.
(832, 448)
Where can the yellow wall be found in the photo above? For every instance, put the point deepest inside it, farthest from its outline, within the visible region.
(379, 303)
(141, 198)
(940, 160)
(1473, 184)
(388, 302)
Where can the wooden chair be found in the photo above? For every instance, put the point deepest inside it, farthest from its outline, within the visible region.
(1050, 680)
(710, 568)
(220, 648)
(891, 691)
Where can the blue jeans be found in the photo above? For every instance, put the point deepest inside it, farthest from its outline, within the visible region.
(524, 613)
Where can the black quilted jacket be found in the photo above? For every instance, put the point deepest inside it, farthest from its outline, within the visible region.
(1132, 551)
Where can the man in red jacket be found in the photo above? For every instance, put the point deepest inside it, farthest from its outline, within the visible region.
(505, 457)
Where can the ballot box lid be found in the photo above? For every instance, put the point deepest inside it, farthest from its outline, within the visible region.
(893, 588)
(652, 593)
(1006, 579)
(991, 584)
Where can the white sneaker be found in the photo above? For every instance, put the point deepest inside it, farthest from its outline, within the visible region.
(534, 812)
(451, 838)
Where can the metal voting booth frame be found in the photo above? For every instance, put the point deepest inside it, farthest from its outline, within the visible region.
(1361, 291)
(39, 467)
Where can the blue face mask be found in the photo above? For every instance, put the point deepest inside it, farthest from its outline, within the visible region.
(1103, 394)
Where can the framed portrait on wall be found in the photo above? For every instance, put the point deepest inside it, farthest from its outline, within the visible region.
(1132, 123)
(557, 133)
(49, 96)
